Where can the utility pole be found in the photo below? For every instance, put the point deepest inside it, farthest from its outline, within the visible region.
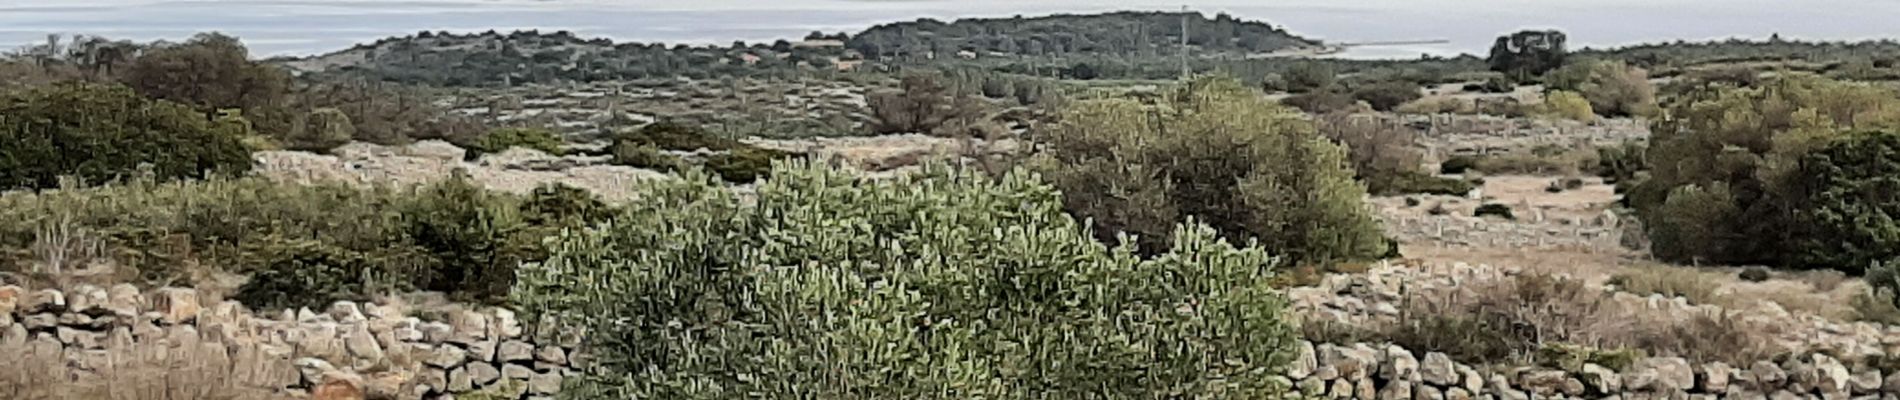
(1185, 72)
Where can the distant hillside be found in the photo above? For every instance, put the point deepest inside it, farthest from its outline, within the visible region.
(1120, 33)
(493, 59)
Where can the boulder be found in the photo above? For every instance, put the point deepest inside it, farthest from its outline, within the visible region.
(1438, 369)
(86, 299)
(436, 332)
(506, 325)
(313, 370)
(482, 350)
(516, 372)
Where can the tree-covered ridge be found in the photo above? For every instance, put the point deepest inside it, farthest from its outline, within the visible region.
(497, 59)
(1119, 33)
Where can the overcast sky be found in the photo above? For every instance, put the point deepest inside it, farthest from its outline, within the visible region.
(288, 27)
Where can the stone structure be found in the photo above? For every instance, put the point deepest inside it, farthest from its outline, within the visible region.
(88, 333)
(351, 351)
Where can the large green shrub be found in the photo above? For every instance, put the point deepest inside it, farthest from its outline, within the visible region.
(733, 160)
(1847, 219)
(1726, 171)
(949, 285)
(473, 236)
(309, 273)
(99, 133)
(1217, 151)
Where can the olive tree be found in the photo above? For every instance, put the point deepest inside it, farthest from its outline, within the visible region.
(948, 285)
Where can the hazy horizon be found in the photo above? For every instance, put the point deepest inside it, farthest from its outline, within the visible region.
(303, 27)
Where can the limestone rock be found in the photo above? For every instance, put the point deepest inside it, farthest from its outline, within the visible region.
(1766, 375)
(338, 386)
(11, 298)
(1438, 369)
(1457, 393)
(551, 354)
(1865, 382)
(506, 325)
(86, 299)
(1396, 390)
(313, 370)
(43, 301)
(469, 326)
(1352, 362)
(482, 350)
(459, 381)
(346, 312)
(1662, 374)
(1305, 360)
(176, 305)
(1399, 365)
(436, 332)
(1715, 377)
(123, 300)
(1542, 382)
(544, 383)
(1601, 380)
(445, 356)
(1829, 375)
(516, 372)
(362, 345)
(483, 373)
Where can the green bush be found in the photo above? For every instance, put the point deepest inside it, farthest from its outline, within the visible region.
(1254, 170)
(1458, 164)
(309, 273)
(1321, 102)
(947, 285)
(1756, 175)
(1411, 183)
(733, 160)
(1568, 105)
(99, 133)
(1386, 96)
(1494, 210)
(500, 140)
(1754, 274)
(473, 237)
(561, 205)
(644, 155)
(320, 130)
(1846, 218)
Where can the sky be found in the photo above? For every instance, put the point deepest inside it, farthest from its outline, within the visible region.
(303, 27)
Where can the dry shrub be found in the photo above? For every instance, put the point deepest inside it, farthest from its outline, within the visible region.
(1875, 307)
(1528, 319)
(141, 373)
(1670, 282)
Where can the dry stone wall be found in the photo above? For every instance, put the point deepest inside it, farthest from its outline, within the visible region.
(62, 339)
(87, 335)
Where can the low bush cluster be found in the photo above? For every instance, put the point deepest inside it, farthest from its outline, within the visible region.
(301, 245)
(732, 160)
